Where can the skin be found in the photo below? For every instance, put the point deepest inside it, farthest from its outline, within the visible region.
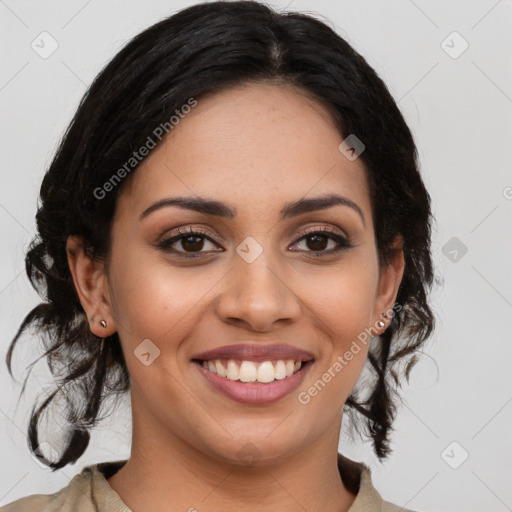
(256, 148)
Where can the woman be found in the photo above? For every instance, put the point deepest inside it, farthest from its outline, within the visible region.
(233, 225)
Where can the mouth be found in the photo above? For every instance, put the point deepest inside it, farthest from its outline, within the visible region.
(263, 372)
(254, 374)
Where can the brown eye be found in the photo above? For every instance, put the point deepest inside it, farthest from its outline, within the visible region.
(323, 240)
(317, 242)
(192, 241)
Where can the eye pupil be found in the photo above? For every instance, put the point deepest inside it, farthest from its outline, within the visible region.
(191, 246)
(322, 243)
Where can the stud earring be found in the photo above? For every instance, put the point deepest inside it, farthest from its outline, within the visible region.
(103, 324)
(381, 324)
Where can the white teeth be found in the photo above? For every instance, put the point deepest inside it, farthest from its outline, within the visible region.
(233, 373)
(280, 371)
(248, 371)
(252, 371)
(220, 369)
(266, 372)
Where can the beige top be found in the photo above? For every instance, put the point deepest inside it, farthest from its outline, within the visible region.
(89, 491)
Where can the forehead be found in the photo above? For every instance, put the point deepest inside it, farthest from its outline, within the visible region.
(256, 147)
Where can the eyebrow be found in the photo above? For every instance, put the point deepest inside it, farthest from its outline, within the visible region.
(218, 209)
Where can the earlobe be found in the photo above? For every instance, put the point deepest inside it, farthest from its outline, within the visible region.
(91, 286)
(389, 282)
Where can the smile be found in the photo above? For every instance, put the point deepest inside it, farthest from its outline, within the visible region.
(253, 371)
(253, 382)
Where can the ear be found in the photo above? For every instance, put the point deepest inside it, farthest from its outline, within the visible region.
(91, 286)
(389, 283)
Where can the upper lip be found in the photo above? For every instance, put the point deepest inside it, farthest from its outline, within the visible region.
(255, 352)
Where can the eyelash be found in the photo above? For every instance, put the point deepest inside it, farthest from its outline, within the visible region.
(343, 244)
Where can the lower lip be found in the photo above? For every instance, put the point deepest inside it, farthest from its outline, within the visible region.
(254, 392)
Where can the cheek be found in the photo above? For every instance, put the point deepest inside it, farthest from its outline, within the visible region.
(152, 305)
(154, 300)
(341, 306)
(343, 300)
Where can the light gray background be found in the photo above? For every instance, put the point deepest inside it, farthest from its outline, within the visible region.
(460, 112)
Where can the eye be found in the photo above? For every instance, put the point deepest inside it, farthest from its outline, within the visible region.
(319, 239)
(192, 241)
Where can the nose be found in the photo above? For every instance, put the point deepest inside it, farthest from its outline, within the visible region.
(257, 296)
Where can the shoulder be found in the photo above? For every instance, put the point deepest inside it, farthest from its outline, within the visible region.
(78, 496)
(357, 478)
(73, 497)
(391, 507)
(369, 498)
(32, 503)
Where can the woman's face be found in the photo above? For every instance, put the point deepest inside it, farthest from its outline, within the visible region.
(251, 277)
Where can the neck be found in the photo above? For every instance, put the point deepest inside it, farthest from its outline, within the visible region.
(172, 471)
